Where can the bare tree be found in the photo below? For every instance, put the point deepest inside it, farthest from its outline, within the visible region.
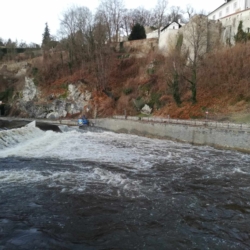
(175, 14)
(135, 16)
(11, 49)
(175, 64)
(195, 35)
(159, 13)
(189, 11)
(102, 54)
(142, 16)
(112, 10)
(74, 28)
(127, 22)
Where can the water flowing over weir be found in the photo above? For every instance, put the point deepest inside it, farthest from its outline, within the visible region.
(102, 190)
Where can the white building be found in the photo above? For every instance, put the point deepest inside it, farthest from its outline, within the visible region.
(171, 26)
(228, 8)
(169, 35)
(230, 14)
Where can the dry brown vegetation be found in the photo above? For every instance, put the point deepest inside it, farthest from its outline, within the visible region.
(223, 84)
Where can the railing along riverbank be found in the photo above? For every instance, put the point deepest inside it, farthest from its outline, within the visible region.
(202, 123)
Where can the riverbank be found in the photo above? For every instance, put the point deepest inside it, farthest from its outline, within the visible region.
(219, 135)
(229, 136)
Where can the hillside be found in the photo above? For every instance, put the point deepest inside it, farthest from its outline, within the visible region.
(223, 87)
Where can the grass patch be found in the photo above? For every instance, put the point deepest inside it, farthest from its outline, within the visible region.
(240, 118)
(143, 115)
(64, 95)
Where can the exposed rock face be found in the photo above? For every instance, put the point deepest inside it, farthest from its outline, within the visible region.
(77, 98)
(146, 110)
(30, 90)
(28, 100)
(78, 95)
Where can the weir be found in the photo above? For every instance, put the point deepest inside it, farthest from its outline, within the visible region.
(228, 136)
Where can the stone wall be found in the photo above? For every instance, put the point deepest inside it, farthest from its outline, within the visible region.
(200, 32)
(168, 40)
(228, 138)
(141, 47)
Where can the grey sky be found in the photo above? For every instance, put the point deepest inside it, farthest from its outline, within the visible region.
(25, 20)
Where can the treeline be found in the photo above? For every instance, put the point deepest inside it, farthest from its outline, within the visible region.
(14, 50)
(85, 37)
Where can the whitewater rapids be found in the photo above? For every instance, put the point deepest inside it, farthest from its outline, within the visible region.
(104, 190)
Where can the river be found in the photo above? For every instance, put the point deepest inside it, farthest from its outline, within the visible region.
(103, 190)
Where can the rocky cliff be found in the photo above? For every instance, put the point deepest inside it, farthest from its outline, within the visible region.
(21, 96)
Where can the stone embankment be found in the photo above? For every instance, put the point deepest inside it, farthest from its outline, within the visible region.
(221, 135)
(216, 134)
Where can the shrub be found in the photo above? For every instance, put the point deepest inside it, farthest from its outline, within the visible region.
(6, 95)
(155, 100)
(127, 91)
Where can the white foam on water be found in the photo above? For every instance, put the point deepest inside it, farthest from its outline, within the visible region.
(71, 181)
(127, 153)
(14, 137)
(134, 152)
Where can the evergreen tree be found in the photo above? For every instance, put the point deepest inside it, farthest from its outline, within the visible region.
(241, 36)
(46, 36)
(1, 42)
(138, 32)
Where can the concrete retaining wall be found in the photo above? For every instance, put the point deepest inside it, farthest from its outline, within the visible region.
(228, 138)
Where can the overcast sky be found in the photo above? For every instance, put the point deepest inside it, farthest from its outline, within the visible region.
(25, 20)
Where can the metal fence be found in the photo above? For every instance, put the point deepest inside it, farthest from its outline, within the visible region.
(203, 123)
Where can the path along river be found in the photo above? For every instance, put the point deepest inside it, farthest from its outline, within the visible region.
(102, 190)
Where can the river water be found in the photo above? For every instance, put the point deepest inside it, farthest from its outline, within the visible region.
(103, 190)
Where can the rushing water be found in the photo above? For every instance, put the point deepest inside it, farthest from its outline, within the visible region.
(101, 190)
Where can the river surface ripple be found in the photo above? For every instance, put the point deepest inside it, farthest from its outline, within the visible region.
(101, 190)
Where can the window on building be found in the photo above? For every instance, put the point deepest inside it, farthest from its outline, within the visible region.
(227, 10)
(220, 14)
(174, 27)
(214, 17)
(235, 5)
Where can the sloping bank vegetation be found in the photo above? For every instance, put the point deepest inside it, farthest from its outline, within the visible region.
(125, 80)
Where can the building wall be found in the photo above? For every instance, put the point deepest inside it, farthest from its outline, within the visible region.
(198, 24)
(214, 34)
(230, 25)
(167, 39)
(153, 34)
(200, 30)
(229, 8)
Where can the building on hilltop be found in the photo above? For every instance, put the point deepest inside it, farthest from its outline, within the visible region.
(172, 26)
(168, 34)
(230, 14)
(200, 35)
(228, 8)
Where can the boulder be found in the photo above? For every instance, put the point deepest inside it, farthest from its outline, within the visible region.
(146, 110)
(52, 115)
